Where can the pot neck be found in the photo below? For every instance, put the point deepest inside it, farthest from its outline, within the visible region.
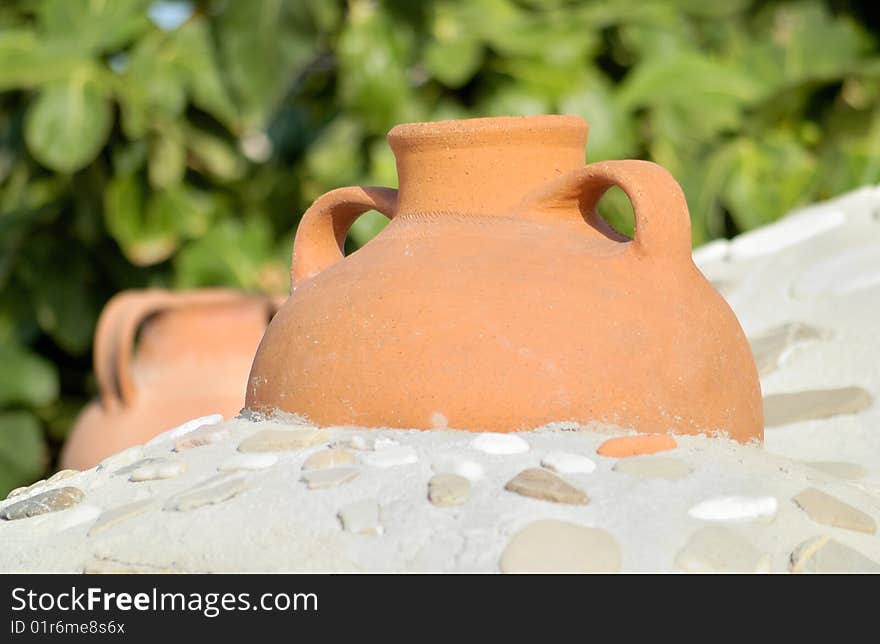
(482, 166)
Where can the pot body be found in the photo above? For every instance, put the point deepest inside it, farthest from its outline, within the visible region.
(506, 321)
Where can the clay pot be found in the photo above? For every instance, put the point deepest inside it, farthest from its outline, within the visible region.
(499, 299)
(162, 358)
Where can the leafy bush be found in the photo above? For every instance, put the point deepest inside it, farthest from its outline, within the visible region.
(174, 144)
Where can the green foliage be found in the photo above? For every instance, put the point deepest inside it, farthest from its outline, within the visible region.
(182, 155)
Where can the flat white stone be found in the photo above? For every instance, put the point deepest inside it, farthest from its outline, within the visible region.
(328, 458)
(390, 457)
(825, 555)
(158, 469)
(282, 440)
(362, 517)
(814, 404)
(505, 444)
(720, 549)
(215, 490)
(653, 467)
(62, 475)
(73, 517)
(384, 443)
(185, 428)
(786, 232)
(848, 272)
(552, 546)
(735, 508)
(823, 508)
(840, 469)
(448, 490)
(248, 462)
(201, 436)
(771, 346)
(568, 463)
(115, 516)
(457, 465)
(120, 459)
(332, 477)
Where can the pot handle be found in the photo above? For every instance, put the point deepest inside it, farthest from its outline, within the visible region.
(662, 221)
(119, 323)
(320, 236)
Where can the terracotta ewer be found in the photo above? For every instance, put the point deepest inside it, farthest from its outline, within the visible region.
(162, 358)
(498, 299)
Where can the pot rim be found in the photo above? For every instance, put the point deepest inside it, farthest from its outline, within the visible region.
(558, 129)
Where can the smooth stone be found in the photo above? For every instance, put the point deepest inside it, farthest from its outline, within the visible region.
(567, 463)
(815, 404)
(384, 443)
(787, 232)
(17, 491)
(125, 457)
(390, 457)
(115, 516)
(654, 467)
(248, 462)
(158, 470)
(543, 485)
(719, 549)
(50, 501)
(469, 469)
(831, 511)
(74, 516)
(328, 458)
(215, 490)
(735, 508)
(825, 555)
(185, 428)
(850, 271)
(206, 435)
(321, 479)
(446, 490)
(362, 517)
(360, 443)
(504, 444)
(281, 440)
(770, 347)
(61, 475)
(552, 546)
(840, 469)
(627, 446)
(144, 462)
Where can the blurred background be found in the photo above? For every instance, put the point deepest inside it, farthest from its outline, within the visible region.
(176, 144)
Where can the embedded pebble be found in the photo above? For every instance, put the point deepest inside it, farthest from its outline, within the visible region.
(848, 272)
(626, 446)
(216, 490)
(144, 462)
(568, 463)
(281, 440)
(362, 517)
(17, 491)
(327, 458)
(786, 232)
(735, 508)
(540, 484)
(61, 475)
(206, 435)
(815, 404)
(770, 347)
(321, 479)
(158, 469)
(456, 465)
(839, 469)
(720, 549)
(384, 443)
(825, 555)
(51, 501)
(831, 511)
(506, 444)
(653, 467)
(390, 457)
(74, 516)
(552, 546)
(248, 462)
(115, 516)
(125, 457)
(448, 489)
(360, 443)
(185, 428)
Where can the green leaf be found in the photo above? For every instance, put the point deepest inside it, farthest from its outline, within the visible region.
(214, 156)
(612, 133)
(93, 26)
(145, 236)
(167, 163)
(27, 61)
(68, 124)
(26, 378)
(22, 450)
